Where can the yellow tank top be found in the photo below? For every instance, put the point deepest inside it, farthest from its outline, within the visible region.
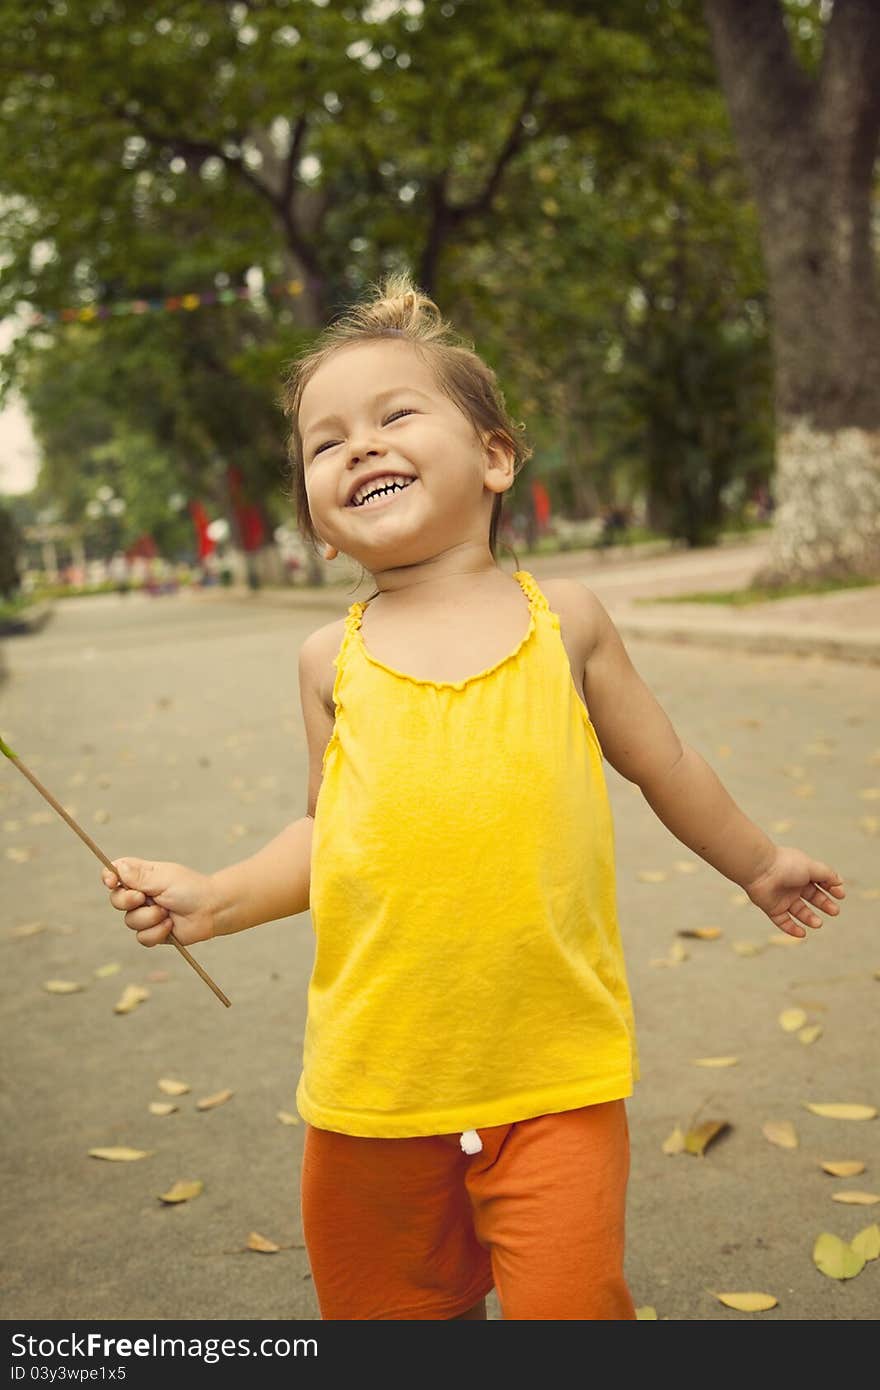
(468, 968)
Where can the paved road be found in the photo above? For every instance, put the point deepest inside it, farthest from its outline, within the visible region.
(171, 728)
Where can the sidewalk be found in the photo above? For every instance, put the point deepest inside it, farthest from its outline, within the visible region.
(844, 625)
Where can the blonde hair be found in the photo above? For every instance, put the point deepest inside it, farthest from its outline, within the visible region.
(398, 309)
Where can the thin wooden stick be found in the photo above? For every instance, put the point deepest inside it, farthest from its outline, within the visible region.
(86, 839)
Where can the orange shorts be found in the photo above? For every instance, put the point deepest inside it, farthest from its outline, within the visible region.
(405, 1229)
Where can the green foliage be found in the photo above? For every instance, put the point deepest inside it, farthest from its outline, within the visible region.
(565, 183)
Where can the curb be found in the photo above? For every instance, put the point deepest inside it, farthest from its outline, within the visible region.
(757, 640)
(30, 620)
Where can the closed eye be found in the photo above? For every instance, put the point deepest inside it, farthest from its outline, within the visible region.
(395, 415)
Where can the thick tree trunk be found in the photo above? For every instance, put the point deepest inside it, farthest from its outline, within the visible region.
(809, 146)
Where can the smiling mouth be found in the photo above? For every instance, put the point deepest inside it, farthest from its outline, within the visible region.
(383, 495)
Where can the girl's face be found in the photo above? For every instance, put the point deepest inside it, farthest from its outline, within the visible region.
(376, 410)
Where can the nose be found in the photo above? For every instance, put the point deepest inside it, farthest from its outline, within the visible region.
(364, 448)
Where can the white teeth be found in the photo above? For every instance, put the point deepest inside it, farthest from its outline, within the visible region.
(397, 480)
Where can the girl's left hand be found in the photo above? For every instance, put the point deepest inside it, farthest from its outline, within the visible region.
(795, 889)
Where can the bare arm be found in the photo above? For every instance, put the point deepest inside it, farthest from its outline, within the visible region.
(640, 742)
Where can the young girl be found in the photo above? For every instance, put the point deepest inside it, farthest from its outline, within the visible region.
(469, 1044)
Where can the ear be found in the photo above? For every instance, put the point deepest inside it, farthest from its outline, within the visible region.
(500, 462)
(330, 552)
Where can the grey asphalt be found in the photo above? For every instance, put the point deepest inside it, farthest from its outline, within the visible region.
(170, 727)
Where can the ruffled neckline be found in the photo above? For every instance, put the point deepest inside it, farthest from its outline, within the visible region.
(535, 601)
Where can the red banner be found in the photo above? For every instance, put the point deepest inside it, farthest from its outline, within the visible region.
(247, 514)
(541, 502)
(200, 522)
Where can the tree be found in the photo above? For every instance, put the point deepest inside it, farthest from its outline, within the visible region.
(803, 89)
(10, 541)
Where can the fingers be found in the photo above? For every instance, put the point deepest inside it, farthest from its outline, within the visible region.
(153, 935)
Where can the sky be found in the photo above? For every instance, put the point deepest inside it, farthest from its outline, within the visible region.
(18, 451)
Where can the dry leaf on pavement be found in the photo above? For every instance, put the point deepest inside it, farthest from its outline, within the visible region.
(715, 1061)
(62, 986)
(162, 1107)
(698, 1139)
(675, 1143)
(181, 1191)
(843, 1167)
(170, 1087)
(257, 1242)
(857, 1199)
(790, 1020)
(210, 1102)
(867, 1242)
(702, 933)
(120, 1154)
(747, 1302)
(842, 1110)
(810, 1033)
(782, 1133)
(646, 1314)
(129, 999)
(287, 1119)
(835, 1258)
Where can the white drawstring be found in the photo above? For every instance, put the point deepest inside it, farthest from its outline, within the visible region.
(471, 1142)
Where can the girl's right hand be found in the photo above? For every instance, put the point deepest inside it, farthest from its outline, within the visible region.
(160, 898)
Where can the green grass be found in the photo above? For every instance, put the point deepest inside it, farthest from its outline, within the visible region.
(740, 598)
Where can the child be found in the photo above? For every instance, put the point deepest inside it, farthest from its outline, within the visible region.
(469, 1043)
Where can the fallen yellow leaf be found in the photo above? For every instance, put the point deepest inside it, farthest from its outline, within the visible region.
(34, 928)
(781, 827)
(162, 1107)
(646, 1314)
(739, 899)
(62, 986)
(748, 948)
(747, 1302)
(651, 875)
(120, 1155)
(675, 1143)
(835, 1258)
(209, 1102)
(702, 933)
(131, 996)
(287, 1119)
(181, 1191)
(257, 1242)
(790, 1020)
(810, 1033)
(685, 866)
(856, 1199)
(715, 1061)
(102, 817)
(780, 1132)
(867, 1242)
(843, 1168)
(104, 972)
(697, 1140)
(171, 1087)
(842, 1111)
